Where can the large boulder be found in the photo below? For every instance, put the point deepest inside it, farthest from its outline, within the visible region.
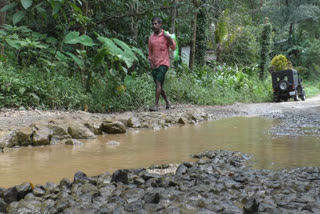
(120, 176)
(41, 135)
(79, 131)
(134, 122)
(10, 195)
(30, 206)
(113, 128)
(23, 189)
(182, 120)
(8, 139)
(94, 127)
(123, 119)
(59, 133)
(24, 136)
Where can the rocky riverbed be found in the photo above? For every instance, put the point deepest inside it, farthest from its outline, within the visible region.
(219, 182)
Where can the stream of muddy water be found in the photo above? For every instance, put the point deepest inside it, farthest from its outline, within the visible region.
(142, 148)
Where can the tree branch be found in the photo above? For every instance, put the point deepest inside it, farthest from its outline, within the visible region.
(136, 13)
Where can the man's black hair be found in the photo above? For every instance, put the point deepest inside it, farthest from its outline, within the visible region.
(159, 20)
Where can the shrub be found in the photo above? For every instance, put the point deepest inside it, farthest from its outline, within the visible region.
(32, 88)
(280, 62)
(220, 84)
(243, 49)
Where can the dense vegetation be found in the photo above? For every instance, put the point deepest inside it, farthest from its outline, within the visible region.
(80, 54)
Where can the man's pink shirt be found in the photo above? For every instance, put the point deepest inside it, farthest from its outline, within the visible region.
(159, 50)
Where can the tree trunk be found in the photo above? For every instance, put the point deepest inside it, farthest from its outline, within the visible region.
(2, 22)
(173, 17)
(134, 25)
(290, 36)
(86, 74)
(201, 44)
(193, 40)
(266, 39)
(83, 27)
(196, 4)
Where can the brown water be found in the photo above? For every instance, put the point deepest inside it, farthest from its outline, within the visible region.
(146, 147)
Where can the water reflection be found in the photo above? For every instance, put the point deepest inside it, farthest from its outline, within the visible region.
(142, 148)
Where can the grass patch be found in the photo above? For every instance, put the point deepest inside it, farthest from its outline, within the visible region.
(311, 87)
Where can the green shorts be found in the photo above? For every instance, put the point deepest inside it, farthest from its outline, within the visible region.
(159, 73)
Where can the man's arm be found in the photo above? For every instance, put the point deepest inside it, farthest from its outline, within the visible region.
(172, 43)
(170, 40)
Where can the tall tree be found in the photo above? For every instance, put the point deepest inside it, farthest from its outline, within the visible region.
(265, 48)
(221, 33)
(196, 5)
(2, 21)
(134, 20)
(173, 17)
(201, 40)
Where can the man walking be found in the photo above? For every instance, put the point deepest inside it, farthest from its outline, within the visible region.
(159, 43)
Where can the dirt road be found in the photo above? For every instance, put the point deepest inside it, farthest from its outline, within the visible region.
(298, 118)
(296, 115)
(310, 106)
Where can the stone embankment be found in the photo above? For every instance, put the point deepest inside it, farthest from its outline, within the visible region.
(70, 128)
(219, 182)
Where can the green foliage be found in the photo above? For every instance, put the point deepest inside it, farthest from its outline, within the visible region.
(296, 23)
(221, 31)
(138, 92)
(312, 86)
(67, 53)
(32, 88)
(305, 13)
(280, 63)
(26, 3)
(205, 85)
(218, 85)
(310, 57)
(242, 48)
(25, 47)
(116, 51)
(303, 71)
(75, 38)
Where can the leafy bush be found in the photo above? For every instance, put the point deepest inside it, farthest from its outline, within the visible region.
(312, 87)
(33, 88)
(311, 58)
(134, 94)
(242, 49)
(219, 85)
(280, 62)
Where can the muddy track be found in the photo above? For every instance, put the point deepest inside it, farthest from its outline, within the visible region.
(310, 106)
(298, 118)
(295, 114)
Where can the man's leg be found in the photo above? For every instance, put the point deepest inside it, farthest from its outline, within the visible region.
(163, 94)
(158, 93)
